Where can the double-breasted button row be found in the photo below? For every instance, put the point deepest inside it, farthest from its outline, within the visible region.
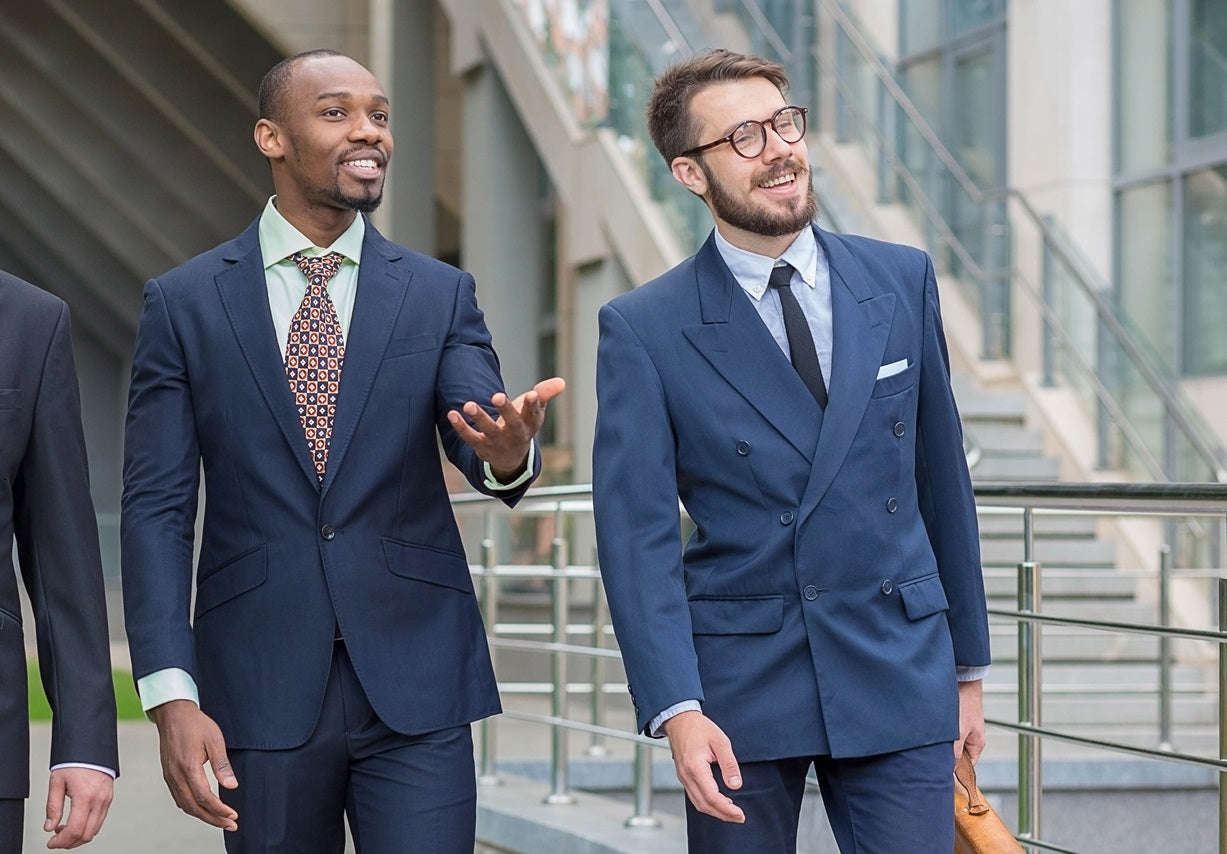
(787, 517)
(743, 448)
(810, 592)
(900, 428)
(892, 504)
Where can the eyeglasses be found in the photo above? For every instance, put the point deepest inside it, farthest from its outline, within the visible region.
(750, 137)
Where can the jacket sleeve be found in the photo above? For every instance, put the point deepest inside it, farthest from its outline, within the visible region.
(635, 502)
(61, 566)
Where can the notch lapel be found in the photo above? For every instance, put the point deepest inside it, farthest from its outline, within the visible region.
(244, 297)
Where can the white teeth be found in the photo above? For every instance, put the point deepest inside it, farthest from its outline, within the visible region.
(363, 164)
(783, 179)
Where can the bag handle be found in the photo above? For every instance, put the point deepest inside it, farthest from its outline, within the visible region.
(965, 774)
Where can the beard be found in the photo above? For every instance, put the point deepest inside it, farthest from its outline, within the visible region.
(365, 203)
(740, 213)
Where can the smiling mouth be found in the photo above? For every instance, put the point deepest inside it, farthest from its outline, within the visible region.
(779, 181)
(365, 165)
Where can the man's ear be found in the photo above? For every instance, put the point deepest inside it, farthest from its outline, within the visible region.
(268, 139)
(686, 172)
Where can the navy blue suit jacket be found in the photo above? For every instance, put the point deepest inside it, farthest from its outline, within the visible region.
(284, 560)
(45, 507)
(833, 581)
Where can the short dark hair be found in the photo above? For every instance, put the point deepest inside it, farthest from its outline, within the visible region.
(670, 124)
(270, 98)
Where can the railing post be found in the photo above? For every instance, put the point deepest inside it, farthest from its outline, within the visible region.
(1029, 666)
(1222, 717)
(559, 793)
(488, 775)
(643, 790)
(1165, 649)
(596, 667)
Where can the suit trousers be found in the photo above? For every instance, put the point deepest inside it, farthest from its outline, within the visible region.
(400, 793)
(12, 823)
(884, 804)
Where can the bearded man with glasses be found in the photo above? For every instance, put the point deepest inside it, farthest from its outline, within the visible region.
(791, 386)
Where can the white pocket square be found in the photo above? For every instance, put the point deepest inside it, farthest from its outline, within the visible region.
(892, 369)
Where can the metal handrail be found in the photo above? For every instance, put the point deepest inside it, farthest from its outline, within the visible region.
(1030, 500)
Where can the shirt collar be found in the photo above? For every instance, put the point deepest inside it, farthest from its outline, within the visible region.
(279, 240)
(752, 270)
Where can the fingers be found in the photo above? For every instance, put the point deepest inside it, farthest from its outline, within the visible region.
(89, 793)
(189, 738)
(698, 747)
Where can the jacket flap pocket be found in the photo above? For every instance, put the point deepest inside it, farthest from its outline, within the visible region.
(923, 597)
(424, 563)
(737, 615)
(238, 575)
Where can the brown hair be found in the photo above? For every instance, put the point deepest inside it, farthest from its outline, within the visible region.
(669, 122)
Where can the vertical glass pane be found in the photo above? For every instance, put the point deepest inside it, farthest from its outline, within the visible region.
(1146, 287)
(921, 27)
(1144, 96)
(969, 14)
(1205, 269)
(1208, 68)
(922, 82)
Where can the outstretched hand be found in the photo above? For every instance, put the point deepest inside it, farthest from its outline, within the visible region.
(503, 442)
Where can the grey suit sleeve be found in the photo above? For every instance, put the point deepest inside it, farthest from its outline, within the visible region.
(61, 567)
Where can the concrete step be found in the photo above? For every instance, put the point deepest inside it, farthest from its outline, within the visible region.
(997, 438)
(1065, 553)
(1063, 644)
(1015, 468)
(996, 407)
(1044, 527)
(1081, 585)
(1110, 711)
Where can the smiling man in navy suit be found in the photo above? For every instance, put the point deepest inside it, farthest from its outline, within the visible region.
(792, 387)
(310, 367)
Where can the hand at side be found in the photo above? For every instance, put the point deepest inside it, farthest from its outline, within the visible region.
(696, 743)
(188, 739)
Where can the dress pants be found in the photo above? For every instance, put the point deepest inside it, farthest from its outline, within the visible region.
(401, 793)
(888, 804)
(12, 823)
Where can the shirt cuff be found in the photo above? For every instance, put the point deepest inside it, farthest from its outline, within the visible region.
(491, 483)
(162, 686)
(970, 674)
(673, 711)
(102, 768)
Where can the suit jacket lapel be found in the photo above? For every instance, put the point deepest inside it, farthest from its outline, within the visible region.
(382, 286)
(861, 317)
(737, 344)
(244, 296)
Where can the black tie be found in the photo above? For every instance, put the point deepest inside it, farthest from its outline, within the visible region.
(800, 342)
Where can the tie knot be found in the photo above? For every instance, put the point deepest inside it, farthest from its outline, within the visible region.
(781, 276)
(323, 267)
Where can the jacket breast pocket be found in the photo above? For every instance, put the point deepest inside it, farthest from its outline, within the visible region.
(895, 383)
(923, 597)
(232, 578)
(411, 344)
(737, 615)
(10, 398)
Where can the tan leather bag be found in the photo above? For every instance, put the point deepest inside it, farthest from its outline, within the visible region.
(977, 827)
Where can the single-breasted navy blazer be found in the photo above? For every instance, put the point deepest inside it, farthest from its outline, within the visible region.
(285, 561)
(833, 580)
(45, 507)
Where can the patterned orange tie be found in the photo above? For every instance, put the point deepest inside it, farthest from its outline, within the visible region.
(314, 353)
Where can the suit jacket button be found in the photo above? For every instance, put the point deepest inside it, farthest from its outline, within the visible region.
(900, 428)
(328, 532)
(786, 517)
(810, 592)
(887, 587)
(743, 448)
(892, 504)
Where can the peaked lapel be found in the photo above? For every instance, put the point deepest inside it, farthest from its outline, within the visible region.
(382, 285)
(244, 296)
(738, 345)
(861, 318)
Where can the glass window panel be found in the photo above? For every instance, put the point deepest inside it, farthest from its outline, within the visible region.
(1144, 95)
(969, 14)
(1146, 287)
(1208, 68)
(1205, 271)
(921, 27)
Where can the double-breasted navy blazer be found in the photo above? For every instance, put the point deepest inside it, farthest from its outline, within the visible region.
(833, 581)
(45, 507)
(286, 561)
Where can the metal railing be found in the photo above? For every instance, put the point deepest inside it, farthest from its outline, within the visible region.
(533, 547)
